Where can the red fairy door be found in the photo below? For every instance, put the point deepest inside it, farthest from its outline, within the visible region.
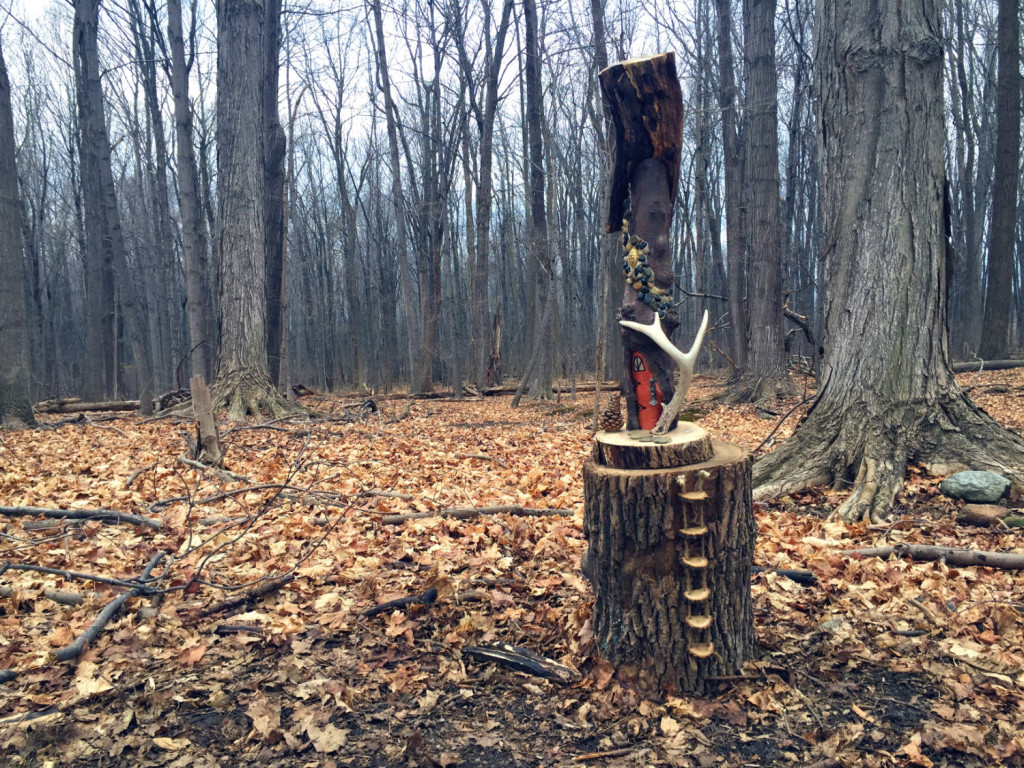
(648, 393)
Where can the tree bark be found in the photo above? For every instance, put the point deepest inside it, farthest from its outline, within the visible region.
(397, 193)
(1003, 223)
(102, 216)
(273, 189)
(734, 224)
(644, 101)
(243, 382)
(198, 307)
(669, 555)
(15, 397)
(540, 254)
(888, 395)
(764, 377)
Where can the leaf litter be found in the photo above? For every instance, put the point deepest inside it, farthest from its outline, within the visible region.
(881, 663)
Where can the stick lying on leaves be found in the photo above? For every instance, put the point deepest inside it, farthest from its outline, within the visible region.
(470, 512)
(103, 515)
(263, 589)
(960, 558)
(805, 578)
(73, 651)
(427, 598)
(524, 660)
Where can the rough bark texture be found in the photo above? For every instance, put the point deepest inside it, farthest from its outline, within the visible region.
(243, 379)
(733, 184)
(1002, 225)
(15, 399)
(199, 305)
(669, 557)
(887, 395)
(644, 102)
(105, 239)
(273, 190)
(764, 376)
(99, 370)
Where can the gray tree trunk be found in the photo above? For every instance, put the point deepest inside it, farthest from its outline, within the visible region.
(888, 395)
(243, 382)
(273, 187)
(102, 217)
(764, 376)
(734, 224)
(199, 304)
(1003, 223)
(15, 397)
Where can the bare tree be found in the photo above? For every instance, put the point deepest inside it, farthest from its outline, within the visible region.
(15, 400)
(243, 378)
(1003, 224)
(887, 395)
(199, 306)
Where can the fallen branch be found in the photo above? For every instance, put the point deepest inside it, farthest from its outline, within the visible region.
(524, 660)
(470, 512)
(960, 558)
(135, 475)
(237, 629)
(427, 598)
(482, 457)
(806, 578)
(987, 365)
(103, 515)
(221, 473)
(602, 755)
(70, 575)
(264, 589)
(56, 595)
(73, 651)
(79, 407)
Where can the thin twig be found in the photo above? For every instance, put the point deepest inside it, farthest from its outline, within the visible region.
(103, 515)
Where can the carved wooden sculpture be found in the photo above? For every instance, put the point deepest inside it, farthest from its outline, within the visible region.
(669, 516)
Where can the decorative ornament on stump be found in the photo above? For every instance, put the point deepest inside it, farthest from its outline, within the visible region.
(611, 417)
(669, 516)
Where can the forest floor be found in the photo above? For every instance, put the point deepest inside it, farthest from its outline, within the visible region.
(299, 678)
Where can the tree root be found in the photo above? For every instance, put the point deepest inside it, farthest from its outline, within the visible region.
(828, 448)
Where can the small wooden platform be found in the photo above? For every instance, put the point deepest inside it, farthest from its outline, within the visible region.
(686, 444)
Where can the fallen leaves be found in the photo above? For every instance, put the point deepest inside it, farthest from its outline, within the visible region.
(320, 681)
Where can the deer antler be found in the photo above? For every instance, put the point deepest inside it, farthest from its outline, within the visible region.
(684, 364)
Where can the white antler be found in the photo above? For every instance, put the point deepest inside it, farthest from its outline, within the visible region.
(684, 364)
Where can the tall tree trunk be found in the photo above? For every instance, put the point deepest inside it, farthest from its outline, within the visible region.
(764, 375)
(397, 193)
(15, 392)
(103, 219)
(99, 376)
(888, 395)
(538, 214)
(1003, 223)
(273, 189)
(734, 224)
(243, 382)
(199, 305)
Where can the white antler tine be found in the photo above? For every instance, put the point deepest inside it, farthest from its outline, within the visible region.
(684, 362)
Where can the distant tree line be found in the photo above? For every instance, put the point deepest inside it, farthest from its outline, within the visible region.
(425, 190)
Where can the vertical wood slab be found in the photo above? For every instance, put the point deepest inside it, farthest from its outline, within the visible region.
(669, 558)
(644, 101)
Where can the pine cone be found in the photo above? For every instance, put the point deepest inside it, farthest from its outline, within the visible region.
(611, 417)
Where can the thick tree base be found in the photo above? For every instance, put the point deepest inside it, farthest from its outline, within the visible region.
(862, 448)
(669, 557)
(247, 394)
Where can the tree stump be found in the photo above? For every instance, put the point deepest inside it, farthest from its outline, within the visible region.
(669, 556)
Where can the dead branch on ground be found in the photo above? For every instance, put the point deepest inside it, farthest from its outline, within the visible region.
(102, 515)
(469, 513)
